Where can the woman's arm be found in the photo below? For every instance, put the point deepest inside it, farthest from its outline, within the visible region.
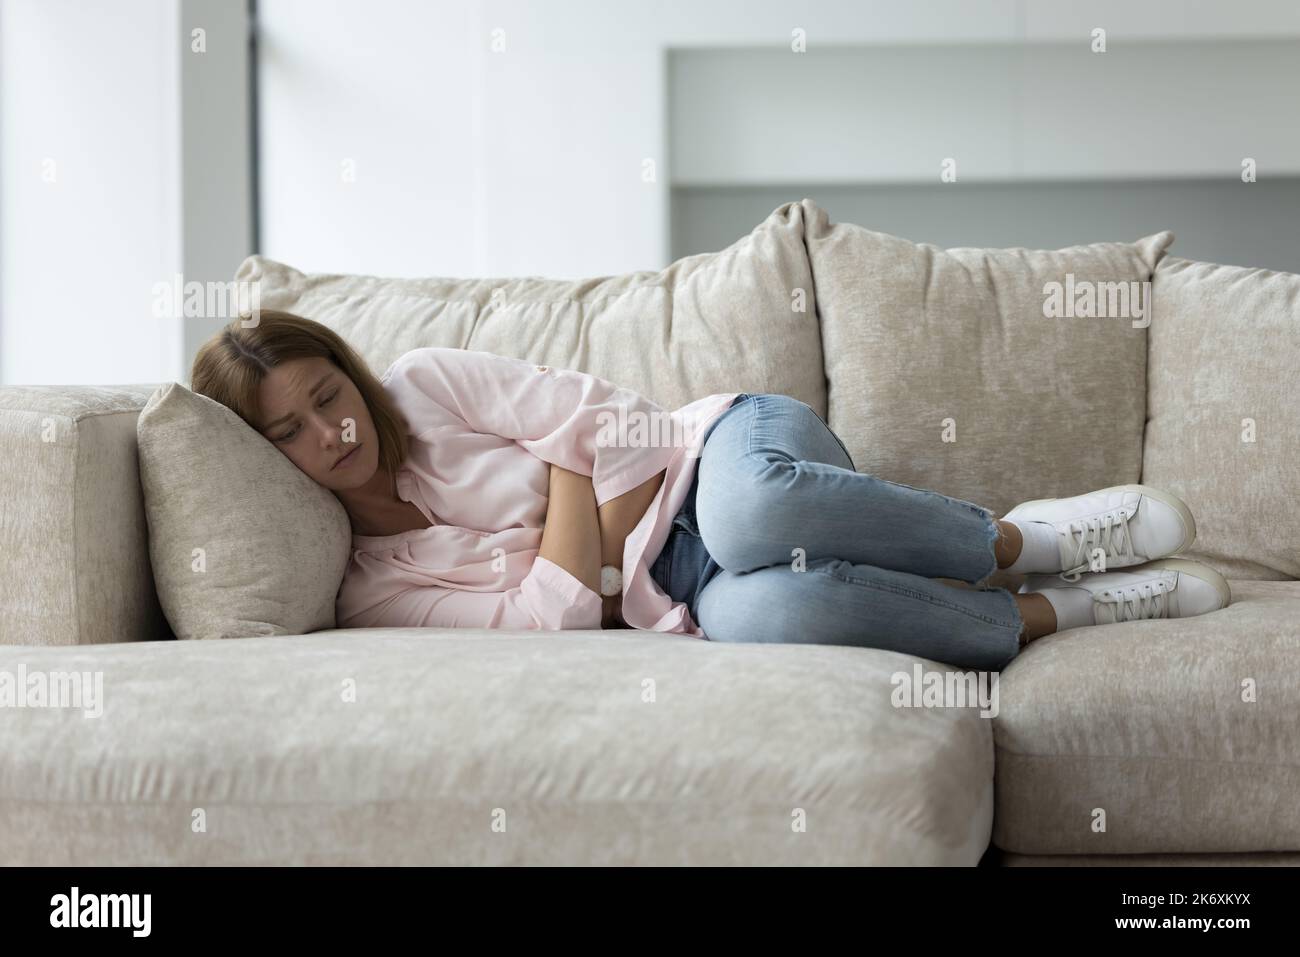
(579, 537)
(620, 515)
(571, 535)
(618, 518)
(563, 417)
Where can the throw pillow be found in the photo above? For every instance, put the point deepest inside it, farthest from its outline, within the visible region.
(241, 541)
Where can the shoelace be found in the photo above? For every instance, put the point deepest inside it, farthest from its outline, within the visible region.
(1109, 532)
(1135, 602)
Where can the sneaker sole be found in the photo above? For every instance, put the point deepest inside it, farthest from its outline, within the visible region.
(1197, 570)
(1173, 501)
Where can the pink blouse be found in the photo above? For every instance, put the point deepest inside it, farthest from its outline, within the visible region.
(484, 430)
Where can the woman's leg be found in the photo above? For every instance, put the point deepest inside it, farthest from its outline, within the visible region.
(835, 602)
(778, 490)
(776, 485)
(1035, 610)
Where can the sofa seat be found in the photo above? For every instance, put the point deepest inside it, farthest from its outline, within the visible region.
(433, 746)
(1147, 723)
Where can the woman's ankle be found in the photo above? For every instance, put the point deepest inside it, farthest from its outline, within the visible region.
(1007, 546)
(1038, 616)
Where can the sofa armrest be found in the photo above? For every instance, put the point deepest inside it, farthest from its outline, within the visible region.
(74, 541)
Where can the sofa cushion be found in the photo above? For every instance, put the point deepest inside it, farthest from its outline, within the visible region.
(739, 320)
(1223, 429)
(457, 747)
(241, 541)
(944, 372)
(74, 546)
(1183, 732)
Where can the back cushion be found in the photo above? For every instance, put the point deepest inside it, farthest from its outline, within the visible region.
(740, 320)
(944, 372)
(1223, 429)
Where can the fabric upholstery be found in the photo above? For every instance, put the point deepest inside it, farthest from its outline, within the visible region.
(728, 321)
(1223, 429)
(1146, 720)
(73, 538)
(274, 543)
(404, 746)
(920, 339)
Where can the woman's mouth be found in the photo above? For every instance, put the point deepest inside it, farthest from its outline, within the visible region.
(346, 460)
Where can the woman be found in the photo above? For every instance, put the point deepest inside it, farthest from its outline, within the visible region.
(485, 491)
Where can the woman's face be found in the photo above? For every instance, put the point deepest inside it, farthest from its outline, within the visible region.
(314, 414)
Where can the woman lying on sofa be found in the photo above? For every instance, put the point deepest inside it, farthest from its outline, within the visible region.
(486, 491)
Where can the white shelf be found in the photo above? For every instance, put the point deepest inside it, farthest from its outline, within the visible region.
(1004, 112)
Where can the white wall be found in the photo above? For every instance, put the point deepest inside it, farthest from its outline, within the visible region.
(368, 155)
(88, 87)
(529, 161)
(124, 161)
(1001, 112)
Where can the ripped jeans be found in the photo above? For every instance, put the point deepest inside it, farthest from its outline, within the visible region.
(782, 540)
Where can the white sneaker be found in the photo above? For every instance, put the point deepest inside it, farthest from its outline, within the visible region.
(1166, 588)
(1132, 524)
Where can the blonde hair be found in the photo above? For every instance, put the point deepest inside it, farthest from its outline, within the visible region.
(230, 366)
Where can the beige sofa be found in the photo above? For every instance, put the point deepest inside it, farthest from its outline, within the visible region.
(1141, 743)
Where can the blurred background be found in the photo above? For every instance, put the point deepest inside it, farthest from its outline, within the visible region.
(146, 139)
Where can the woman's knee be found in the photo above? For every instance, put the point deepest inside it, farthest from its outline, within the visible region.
(740, 608)
(749, 464)
(736, 524)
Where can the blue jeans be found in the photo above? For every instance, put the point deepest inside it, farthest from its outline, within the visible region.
(780, 539)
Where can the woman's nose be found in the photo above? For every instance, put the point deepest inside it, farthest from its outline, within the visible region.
(331, 435)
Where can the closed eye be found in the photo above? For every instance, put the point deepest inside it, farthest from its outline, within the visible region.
(324, 402)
